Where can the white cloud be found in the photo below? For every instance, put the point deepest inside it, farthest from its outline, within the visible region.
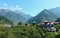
(20, 8)
(13, 8)
(16, 8)
(5, 4)
(5, 8)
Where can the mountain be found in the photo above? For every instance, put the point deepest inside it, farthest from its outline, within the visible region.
(56, 11)
(42, 16)
(14, 16)
(25, 16)
(4, 20)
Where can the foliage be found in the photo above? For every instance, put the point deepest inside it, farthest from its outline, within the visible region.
(57, 20)
(19, 23)
(27, 32)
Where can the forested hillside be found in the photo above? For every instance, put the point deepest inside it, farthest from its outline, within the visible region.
(42, 16)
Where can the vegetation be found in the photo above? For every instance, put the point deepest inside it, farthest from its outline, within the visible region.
(32, 31)
(58, 20)
(42, 16)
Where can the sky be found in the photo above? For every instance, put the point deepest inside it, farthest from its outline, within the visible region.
(30, 7)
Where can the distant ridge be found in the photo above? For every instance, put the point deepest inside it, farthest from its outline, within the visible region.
(4, 20)
(14, 16)
(42, 16)
(56, 11)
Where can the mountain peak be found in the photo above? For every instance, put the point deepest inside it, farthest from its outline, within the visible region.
(45, 10)
(42, 16)
(4, 10)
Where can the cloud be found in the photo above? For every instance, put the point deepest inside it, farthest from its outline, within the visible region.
(20, 8)
(12, 8)
(5, 8)
(5, 4)
(16, 8)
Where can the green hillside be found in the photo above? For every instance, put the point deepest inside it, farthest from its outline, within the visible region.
(28, 32)
(14, 16)
(56, 11)
(4, 20)
(42, 16)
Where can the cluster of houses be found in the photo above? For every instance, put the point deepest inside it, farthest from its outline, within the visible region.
(49, 26)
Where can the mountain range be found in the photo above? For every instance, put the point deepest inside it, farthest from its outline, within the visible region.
(14, 16)
(4, 20)
(42, 16)
(56, 11)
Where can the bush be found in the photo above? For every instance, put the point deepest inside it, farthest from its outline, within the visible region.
(27, 32)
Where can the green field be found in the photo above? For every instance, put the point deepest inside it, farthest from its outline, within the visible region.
(28, 32)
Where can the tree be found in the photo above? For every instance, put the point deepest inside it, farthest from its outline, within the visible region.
(57, 20)
(19, 23)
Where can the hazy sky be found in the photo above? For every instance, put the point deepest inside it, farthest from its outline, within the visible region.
(31, 7)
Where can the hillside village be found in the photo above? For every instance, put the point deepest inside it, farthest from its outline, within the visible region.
(44, 25)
